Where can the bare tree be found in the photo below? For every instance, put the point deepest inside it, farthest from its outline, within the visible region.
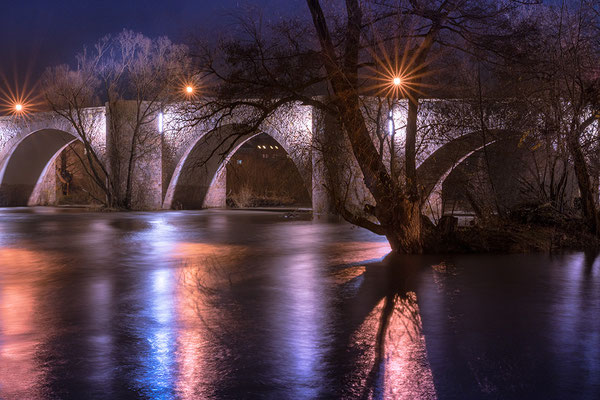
(559, 78)
(134, 76)
(401, 52)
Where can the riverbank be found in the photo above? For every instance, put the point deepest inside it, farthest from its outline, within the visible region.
(511, 236)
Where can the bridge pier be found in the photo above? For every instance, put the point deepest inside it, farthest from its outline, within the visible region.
(322, 201)
(44, 193)
(337, 177)
(216, 196)
(146, 160)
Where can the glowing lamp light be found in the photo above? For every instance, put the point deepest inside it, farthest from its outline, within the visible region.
(19, 107)
(189, 89)
(397, 81)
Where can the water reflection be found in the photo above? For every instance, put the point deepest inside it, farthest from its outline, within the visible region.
(158, 363)
(21, 375)
(391, 360)
(297, 308)
(100, 341)
(250, 305)
(577, 293)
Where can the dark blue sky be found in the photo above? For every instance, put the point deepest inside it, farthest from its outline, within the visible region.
(38, 33)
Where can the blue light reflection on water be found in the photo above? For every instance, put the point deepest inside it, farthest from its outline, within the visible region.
(298, 308)
(157, 372)
(576, 308)
(157, 323)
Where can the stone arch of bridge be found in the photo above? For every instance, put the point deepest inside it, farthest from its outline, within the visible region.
(198, 179)
(432, 172)
(27, 161)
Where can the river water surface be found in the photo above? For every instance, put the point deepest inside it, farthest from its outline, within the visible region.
(244, 305)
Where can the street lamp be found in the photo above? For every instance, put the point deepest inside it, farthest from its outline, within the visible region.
(16, 104)
(397, 88)
(160, 122)
(397, 84)
(189, 89)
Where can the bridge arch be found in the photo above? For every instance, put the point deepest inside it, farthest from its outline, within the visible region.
(436, 168)
(27, 161)
(198, 179)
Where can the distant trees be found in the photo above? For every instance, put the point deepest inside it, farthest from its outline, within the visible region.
(134, 76)
(556, 78)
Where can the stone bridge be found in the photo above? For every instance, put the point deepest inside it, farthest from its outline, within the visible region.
(172, 176)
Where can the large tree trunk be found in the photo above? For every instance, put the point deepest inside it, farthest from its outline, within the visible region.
(405, 236)
(409, 212)
(398, 211)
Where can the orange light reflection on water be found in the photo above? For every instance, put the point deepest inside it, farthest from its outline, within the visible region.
(340, 253)
(20, 373)
(404, 371)
(203, 271)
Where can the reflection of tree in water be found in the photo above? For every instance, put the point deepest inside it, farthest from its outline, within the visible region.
(209, 283)
(404, 308)
(378, 347)
(399, 367)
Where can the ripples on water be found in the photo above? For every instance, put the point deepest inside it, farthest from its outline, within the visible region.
(217, 304)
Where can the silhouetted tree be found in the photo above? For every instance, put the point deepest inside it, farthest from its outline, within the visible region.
(557, 76)
(345, 52)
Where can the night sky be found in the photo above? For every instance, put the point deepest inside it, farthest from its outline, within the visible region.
(39, 33)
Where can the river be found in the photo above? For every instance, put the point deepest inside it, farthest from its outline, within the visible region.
(220, 304)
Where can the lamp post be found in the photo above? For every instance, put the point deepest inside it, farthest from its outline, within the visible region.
(396, 82)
